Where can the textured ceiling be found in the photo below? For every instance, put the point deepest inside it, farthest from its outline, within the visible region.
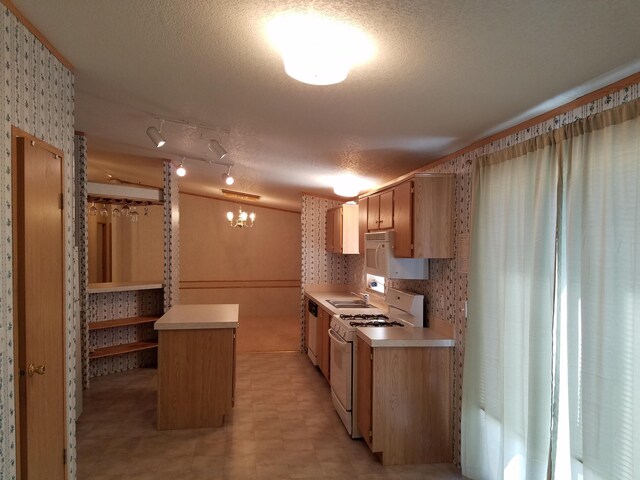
(446, 72)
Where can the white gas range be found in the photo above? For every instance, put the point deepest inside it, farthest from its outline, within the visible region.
(405, 310)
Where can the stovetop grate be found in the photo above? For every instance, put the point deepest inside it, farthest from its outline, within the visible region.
(373, 323)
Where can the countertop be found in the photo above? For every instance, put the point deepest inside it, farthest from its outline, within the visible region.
(404, 337)
(379, 337)
(183, 317)
(121, 286)
(321, 297)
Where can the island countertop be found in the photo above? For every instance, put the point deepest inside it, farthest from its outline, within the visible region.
(194, 317)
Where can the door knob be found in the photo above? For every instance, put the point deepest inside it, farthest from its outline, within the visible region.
(31, 369)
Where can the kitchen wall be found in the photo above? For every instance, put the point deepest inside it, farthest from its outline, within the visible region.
(257, 267)
(446, 289)
(319, 266)
(38, 93)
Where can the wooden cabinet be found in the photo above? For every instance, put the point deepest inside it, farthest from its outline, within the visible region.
(404, 403)
(420, 212)
(363, 214)
(342, 230)
(324, 345)
(380, 211)
(423, 217)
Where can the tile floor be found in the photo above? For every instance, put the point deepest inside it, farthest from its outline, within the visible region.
(283, 427)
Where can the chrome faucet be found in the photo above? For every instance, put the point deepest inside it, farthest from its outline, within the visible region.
(363, 296)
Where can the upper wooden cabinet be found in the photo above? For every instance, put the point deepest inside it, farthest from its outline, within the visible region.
(342, 230)
(380, 211)
(420, 211)
(423, 216)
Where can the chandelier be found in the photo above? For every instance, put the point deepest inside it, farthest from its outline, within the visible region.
(244, 219)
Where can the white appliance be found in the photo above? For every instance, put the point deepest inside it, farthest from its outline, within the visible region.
(405, 310)
(379, 259)
(312, 340)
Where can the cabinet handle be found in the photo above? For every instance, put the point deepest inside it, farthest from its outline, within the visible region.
(31, 369)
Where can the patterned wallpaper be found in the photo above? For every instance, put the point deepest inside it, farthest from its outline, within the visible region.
(171, 237)
(446, 289)
(319, 266)
(38, 98)
(82, 242)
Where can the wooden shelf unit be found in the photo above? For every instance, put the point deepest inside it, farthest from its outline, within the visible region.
(123, 322)
(122, 349)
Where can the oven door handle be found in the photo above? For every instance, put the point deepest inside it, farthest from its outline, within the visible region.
(337, 337)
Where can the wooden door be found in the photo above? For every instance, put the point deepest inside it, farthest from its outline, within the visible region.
(386, 210)
(39, 308)
(364, 388)
(329, 228)
(373, 212)
(363, 206)
(403, 220)
(324, 322)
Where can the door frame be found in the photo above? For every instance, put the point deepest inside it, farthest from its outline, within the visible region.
(17, 321)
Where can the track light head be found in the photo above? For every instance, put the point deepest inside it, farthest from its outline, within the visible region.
(156, 137)
(181, 171)
(228, 179)
(217, 149)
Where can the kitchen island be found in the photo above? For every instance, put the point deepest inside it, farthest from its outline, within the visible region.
(196, 365)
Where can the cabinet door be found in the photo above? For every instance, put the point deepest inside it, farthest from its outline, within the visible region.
(385, 220)
(363, 206)
(365, 391)
(403, 220)
(337, 230)
(329, 231)
(433, 222)
(323, 337)
(373, 212)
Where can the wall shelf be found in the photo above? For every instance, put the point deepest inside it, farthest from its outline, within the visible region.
(122, 349)
(123, 322)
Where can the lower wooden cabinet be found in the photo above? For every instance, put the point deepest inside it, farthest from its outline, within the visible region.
(324, 345)
(404, 403)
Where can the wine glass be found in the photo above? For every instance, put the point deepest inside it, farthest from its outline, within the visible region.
(93, 211)
(133, 215)
(126, 210)
(103, 211)
(116, 211)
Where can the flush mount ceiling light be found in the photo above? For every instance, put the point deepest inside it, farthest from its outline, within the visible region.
(346, 185)
(217, 149)
(318, 50)
(228, 179)
(156, 136)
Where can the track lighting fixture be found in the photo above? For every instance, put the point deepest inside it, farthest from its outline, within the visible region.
(181, 171)
(217, 149)
(155, 135)
(228, 179)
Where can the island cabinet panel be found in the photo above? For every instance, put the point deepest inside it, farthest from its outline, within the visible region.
(410, 409)
(196, 369)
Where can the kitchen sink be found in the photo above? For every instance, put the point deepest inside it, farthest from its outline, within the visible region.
(350, 304)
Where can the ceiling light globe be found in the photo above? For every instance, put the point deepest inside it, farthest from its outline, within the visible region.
(181, 171)
(228, 179)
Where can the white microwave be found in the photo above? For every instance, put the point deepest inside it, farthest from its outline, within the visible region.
(379, 259)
